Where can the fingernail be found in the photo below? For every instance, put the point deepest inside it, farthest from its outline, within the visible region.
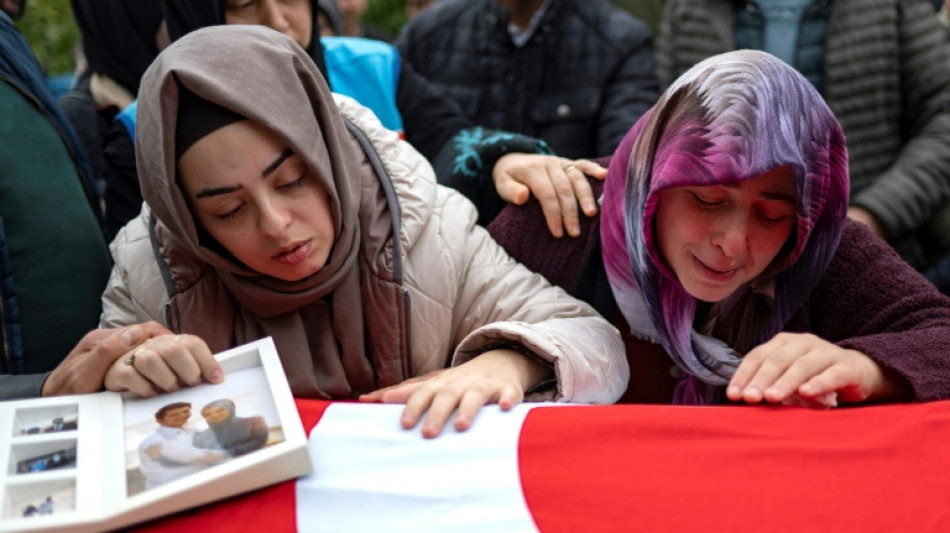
(753, 393)
(774, 392)
(216, 376)
(575, 230)
(733, 390)
(130, 336)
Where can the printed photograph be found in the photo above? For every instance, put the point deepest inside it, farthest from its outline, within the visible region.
(40, 500)
(172, 436)
(48, 461)
(46, 419)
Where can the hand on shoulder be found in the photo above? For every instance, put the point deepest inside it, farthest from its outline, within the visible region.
(559, 184)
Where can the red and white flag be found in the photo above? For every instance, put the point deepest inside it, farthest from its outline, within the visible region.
(609, 468)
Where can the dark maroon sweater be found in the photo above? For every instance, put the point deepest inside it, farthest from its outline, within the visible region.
(869, 300)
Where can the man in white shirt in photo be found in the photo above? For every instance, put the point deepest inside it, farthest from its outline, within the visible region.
(169, 453)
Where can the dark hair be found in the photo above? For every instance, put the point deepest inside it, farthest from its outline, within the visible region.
(160, 414)
(197, 118)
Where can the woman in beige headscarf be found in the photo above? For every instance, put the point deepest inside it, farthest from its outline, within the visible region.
(266, 217)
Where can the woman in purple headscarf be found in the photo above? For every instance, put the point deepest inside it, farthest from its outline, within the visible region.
(724, 245)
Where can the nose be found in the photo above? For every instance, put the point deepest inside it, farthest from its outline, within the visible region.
(732, 236)
(273, 16)
(274, 218)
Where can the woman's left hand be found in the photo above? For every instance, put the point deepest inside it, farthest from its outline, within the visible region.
(164, 364)
(496, 376)
(812, 367)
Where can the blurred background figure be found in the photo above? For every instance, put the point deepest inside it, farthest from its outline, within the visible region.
(120, 38)
(414, 7)
(355, 26)
(649, 11)
(329, 18)
(575, 73)
(883, 66)
(942, 15)
(13, 8)
(54, 262)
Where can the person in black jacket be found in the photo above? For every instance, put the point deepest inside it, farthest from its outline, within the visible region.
(120, 38)
(575, 73)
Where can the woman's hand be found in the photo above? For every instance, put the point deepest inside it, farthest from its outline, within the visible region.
(864, 216)
(811, 367)
(497, 376)
(558, 183)
(164, 364)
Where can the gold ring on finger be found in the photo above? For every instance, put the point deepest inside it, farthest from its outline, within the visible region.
(177, 337)
(131, 360)
(568, 168)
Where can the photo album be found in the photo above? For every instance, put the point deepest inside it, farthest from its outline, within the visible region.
(95, 462)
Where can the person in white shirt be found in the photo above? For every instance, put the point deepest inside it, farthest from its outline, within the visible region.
(169, 453)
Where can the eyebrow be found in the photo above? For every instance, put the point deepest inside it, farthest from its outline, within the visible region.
(768, 195)
(217, 191)
(780, 196)
(277, 162)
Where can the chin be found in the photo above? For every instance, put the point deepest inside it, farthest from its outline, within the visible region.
(299, 275)
(709, 295)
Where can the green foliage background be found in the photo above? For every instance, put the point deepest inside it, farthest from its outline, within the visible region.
(51, 30)
(387, 15)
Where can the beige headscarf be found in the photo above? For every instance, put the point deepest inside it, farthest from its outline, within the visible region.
(331, 345)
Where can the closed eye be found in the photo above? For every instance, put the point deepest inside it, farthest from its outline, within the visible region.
(240, 6)
(775, 215)
(703, 201)
(294, 184)
(230, 214)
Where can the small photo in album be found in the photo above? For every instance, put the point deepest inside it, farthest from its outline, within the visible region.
(46, 419)
(40, 499)
(62, 458)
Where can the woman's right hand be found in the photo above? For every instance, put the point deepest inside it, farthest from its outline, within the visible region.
(559, 184)
(164, 364)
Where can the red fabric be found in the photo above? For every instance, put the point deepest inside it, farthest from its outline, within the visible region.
(664, 468)
(270, 509)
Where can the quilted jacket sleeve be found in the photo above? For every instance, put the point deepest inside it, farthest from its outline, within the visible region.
(500, 300)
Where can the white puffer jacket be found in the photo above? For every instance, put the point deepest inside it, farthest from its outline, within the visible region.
(466, 292)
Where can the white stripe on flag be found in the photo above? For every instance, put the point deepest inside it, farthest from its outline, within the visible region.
(372, 475)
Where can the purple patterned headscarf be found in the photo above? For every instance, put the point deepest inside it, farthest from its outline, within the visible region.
(730, 118)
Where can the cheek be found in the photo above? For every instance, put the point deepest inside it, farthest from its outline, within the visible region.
(679, 227)
(768, 242)
(302, 25)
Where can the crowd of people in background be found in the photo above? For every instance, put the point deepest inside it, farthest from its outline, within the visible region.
(703, 189)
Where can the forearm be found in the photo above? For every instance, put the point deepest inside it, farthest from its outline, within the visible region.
(13, 387)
